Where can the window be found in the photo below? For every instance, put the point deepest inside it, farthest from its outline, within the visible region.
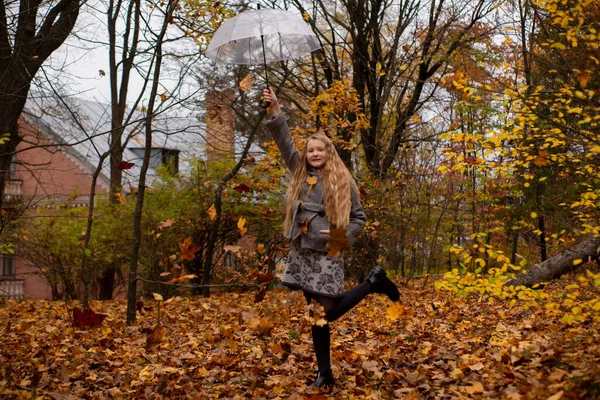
(158, 157)
(170, 158)
(9, 266)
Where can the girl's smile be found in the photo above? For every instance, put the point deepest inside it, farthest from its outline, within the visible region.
(316, 153)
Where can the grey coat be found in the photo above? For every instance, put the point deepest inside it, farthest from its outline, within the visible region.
(312, 206)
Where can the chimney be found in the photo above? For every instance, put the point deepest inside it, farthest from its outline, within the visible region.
(220, 136)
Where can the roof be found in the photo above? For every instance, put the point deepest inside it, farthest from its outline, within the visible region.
(82, 130)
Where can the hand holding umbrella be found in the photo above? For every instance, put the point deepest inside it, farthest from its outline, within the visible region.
(270, 98)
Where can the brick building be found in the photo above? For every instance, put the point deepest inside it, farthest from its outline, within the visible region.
(58, 156)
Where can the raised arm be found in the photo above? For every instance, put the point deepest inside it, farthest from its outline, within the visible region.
(277, 125)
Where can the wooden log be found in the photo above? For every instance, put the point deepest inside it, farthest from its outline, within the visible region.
(558, 265)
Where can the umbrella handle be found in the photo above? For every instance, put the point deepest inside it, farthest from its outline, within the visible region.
(264, 104)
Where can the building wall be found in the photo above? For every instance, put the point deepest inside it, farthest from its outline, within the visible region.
(48, 172)
(49, 175)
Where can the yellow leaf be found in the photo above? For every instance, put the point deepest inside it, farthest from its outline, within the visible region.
(416, 118)
(312, 181)
(559, 46)
(534, 215)
(395, 311)
(247, 82)
(212, 212)
(157, 296)
(260, 248)
(577, 261)
(240, 225)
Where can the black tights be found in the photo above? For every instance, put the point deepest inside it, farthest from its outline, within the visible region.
(334, 309)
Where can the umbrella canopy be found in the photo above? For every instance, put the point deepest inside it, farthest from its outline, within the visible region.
(263, 35)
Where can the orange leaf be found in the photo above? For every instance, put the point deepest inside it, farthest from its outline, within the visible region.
(303, 226)
(87, 318)
(240, 225)
(182, 278)
(212, 213)
(312, 181)
(246, 83)
(188, 249)
(337, 242)
(155, 336)
(260, 295)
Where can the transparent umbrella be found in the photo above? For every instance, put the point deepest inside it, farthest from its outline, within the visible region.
(262, 36)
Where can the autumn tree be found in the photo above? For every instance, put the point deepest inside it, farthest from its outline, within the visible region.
(30, 31)
(394, 55)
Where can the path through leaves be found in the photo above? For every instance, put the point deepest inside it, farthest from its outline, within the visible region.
(433, 345)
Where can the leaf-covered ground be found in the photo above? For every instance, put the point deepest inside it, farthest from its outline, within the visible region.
(434, 345)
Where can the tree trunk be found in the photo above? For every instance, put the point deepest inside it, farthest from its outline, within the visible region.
(558, 265)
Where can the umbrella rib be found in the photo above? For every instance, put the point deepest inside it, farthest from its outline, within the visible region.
(284, 45)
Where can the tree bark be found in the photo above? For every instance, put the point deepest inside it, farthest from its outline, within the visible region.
(21, 55)
(556, 266)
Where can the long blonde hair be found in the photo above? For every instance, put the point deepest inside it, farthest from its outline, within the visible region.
(336, 185)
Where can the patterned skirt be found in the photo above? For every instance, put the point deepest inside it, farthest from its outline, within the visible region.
(314, 272)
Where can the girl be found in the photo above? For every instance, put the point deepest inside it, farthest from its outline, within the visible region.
(321, 196)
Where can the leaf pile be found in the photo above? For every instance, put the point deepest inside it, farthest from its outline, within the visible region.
(432, 345)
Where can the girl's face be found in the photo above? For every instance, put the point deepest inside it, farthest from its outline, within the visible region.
(316, 153)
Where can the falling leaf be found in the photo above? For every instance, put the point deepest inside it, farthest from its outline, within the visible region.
(337, 242)
(405, 47)
(303, 226)
(260, 248)
(260, 295)
(101, 72)
(240, 225)
(182, 278)
(163, 97)
(261, 326)
(120, 198)
(212, 212)
(155, 336)
(241, 188)
(188, 249)
(157, 296)
(87, 318)
(247, 82)
(123, 165)
(165, 224)
(416, 119)
(312, 181)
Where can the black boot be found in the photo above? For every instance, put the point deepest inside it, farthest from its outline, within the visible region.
(324, 378)
(380, 283)
(322, 343)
